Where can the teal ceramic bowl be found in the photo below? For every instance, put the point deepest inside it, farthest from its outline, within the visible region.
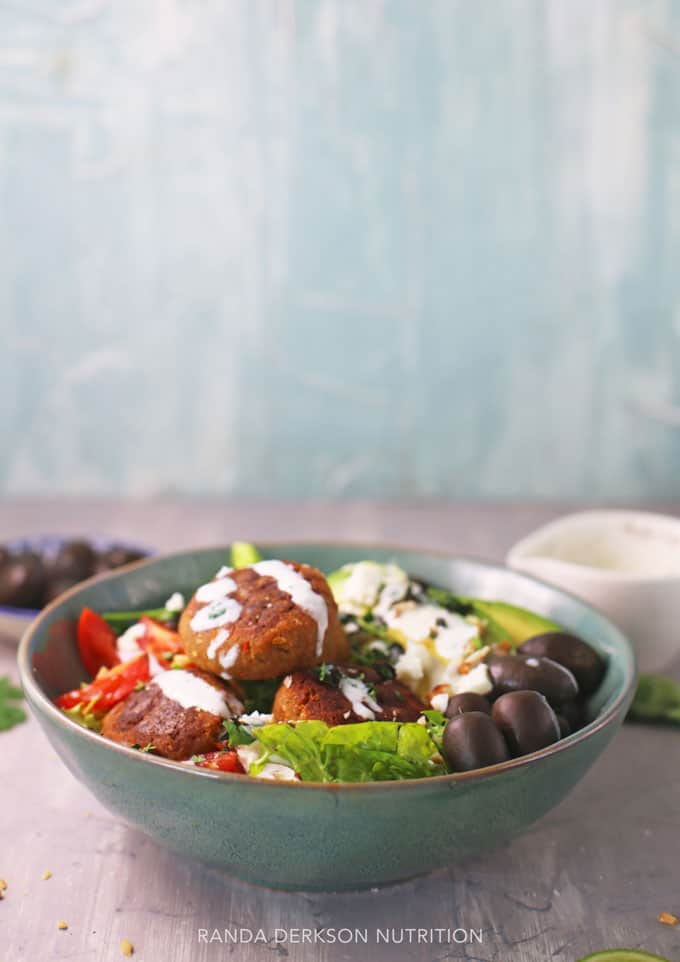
(312, 836)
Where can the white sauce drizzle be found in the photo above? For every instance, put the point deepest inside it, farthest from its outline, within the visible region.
(357, 694)
(294, 584)
(222, 611)
(228, 659)
(218, 640)
(215, 589)
(190, 691)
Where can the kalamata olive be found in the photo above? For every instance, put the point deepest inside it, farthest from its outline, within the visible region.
(22, 581)
(532, 673)
(471, 740)
(526, 720)
(76, 560)
(565, 727)
(571, 652)
(117, 556)
(574, 712)
(467, 701)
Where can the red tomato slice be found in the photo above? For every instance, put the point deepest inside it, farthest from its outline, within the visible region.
(110, 688)
(222, 762)
(96, 642)
(159, 641)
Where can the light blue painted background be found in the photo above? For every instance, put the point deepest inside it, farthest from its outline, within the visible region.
(340, 247)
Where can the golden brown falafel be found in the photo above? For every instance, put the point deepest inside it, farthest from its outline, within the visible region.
(302, 696)
(261, 631)
(150, 717)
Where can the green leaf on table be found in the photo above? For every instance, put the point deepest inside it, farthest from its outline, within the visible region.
(657, 699)
(11, 713)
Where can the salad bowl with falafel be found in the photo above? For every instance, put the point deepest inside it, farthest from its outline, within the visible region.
(348, 697)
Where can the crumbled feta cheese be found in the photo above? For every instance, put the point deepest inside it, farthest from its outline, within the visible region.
(175, 602)
(478, 681)
(440, 701)
(369, 584)
(255, 719)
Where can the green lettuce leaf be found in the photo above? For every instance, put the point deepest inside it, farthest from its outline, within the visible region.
(362, 752)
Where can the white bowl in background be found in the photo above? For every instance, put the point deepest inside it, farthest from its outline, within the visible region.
(627, 563)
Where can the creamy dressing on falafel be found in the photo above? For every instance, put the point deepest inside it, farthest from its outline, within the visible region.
(228, 659)
(190, 691)
(292, 583)
(215, 589)
(222, 611)
(357, 694)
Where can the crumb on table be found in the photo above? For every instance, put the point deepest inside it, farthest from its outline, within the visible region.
(126, 947)
(667, 918)
(62, 925)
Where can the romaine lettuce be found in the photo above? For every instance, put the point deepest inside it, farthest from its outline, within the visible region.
(362, 752)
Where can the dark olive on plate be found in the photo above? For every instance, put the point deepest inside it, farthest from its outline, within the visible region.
(22, 581)
(76, 560)
(471, 740)
(57, 586)
(465, 702)
(527, 721)
(117, 556)
(532, 673)
(585, 664)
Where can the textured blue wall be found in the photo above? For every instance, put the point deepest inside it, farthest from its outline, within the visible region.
(340, 247)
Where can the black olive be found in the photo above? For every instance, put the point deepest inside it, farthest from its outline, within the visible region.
(465, 702)
(22, 581)
(585, 664)
(116, 557)
(76, 560)
(532, 673)
(471, 740)
(565, 727)
(574, 712)
(57, 586)
(527, 721)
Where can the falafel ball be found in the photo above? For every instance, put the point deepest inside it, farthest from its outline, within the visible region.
(263, 621)
(347, 693)
(179, 714)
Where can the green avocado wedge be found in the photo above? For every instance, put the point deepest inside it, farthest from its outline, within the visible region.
(244, 554)
(519, 624)
(623, 955)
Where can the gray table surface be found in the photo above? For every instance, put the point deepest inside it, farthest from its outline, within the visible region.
(594, 873)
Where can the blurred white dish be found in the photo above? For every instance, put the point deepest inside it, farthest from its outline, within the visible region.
(627, 563)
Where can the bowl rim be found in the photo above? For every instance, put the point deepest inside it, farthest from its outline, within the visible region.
(40, 702)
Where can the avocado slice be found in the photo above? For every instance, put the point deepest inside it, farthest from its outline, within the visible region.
(244, 554)
(510, 622)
